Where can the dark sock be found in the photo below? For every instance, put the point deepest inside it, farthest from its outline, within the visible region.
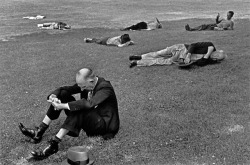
(43, 126)
(133, 64)
(57, 139)
(41, 129)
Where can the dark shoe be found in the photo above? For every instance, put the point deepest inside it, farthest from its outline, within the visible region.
(135, 57)
(133, 64)
(48, 151)
(187, 27)
(87, 40)
(202, 62)
(34, 134)
(108, 136)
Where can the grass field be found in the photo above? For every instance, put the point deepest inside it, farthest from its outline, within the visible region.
(168, 115)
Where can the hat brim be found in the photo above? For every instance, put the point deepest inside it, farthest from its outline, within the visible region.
(184, 64)
(91, 160)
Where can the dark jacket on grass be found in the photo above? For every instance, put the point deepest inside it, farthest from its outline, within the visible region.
(199, 47)
(102, 104)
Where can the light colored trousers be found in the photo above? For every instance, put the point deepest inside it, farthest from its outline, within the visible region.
(171, 54)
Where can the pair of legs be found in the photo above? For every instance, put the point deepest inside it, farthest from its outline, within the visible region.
(138, 26)
(162, 57)
(89, 121)
(102, 41)
(201, 27)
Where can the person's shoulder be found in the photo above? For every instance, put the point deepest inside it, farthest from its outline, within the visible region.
(116, 37)
(103, 82)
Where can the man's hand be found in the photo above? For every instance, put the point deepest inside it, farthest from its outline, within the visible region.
(54, 101)
(188, 58)
(53, 98)
(59, 105)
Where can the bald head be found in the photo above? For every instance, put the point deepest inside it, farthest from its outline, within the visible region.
(85, 73)
(85, 78)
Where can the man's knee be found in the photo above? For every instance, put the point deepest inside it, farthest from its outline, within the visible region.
(65, 96)
(52, 113)
(95, 125)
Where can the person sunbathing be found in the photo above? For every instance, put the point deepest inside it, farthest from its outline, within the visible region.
(54, 25)
(120, 41)
(202, 53)
(35, 17)
(221, 24)
(152, 25)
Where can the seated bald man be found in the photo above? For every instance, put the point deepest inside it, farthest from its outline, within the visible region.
(96, 112)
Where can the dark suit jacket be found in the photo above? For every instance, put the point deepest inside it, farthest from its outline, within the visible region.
(103, 100)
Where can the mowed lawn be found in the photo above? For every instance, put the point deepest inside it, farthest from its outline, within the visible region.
(168, 115)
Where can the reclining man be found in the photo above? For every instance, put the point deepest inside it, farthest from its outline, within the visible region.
(152, 25)
(54, 25)
(120, 41)
(96, 112)
(221, 24)
(202, 53)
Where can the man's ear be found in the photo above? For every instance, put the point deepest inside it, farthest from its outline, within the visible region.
(91, 80)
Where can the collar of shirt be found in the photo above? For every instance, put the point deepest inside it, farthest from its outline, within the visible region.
(95, 84)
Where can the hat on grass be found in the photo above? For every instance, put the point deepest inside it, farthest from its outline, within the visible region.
(78, 155)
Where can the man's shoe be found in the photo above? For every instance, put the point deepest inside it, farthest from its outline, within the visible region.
(48, 151)
(187, 27)
(87, 40)
(34, 134)
(135, 57)
(133, 64)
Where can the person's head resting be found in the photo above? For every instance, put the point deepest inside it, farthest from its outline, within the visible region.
(219, 55)
(230, 14)
(86, 79)
(159, 26)
(125, 38)
(64, 25)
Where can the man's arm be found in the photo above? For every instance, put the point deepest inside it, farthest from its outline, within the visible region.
(210, 49)
(193, 46)
(99, 97)
(217, 19)
(70, 89)
(126, 44)
(231, 27)
(189, 52)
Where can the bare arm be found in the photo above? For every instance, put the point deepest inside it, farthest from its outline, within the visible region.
(209, 52)
(217, 19)
(231, 27)
(126, 44)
